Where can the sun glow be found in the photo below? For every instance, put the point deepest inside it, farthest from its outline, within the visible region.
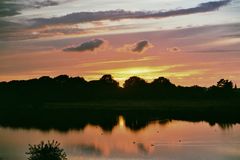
(121, 122)
(135, 71)
(148, 72)
(138, 71)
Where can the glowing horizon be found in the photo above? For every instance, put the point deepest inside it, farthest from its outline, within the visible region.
(190, 43)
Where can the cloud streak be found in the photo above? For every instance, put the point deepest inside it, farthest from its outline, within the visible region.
(86, 46)
(46, 3)
(82, 17)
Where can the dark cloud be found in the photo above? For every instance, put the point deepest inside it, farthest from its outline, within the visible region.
(14, 7)
(86, 46)
(11, 30)
(46, 3)
(9, 8)
(140, 46)
(122, 14)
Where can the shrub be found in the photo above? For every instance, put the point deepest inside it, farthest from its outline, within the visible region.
(46, 151)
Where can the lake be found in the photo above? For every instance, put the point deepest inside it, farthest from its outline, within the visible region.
(160, 139)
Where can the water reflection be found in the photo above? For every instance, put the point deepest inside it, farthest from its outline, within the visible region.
(67, 120)
(157, 140)
(121, 121)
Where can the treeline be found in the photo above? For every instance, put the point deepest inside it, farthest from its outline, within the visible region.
(74, 89)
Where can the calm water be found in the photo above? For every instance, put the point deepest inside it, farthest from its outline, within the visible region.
(168, 141)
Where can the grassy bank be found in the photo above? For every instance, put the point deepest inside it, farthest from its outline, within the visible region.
(161, 105)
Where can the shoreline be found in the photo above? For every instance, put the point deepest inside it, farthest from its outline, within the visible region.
(69, 116)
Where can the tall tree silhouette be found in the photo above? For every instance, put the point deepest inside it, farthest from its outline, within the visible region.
(136, 88)
(224, 89)
(109, 81)
(134, 83)
(162, 87)
(162, 82)
(104, 88)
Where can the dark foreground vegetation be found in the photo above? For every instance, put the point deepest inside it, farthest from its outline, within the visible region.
(65, 89)
(46, 151)
(66, 103)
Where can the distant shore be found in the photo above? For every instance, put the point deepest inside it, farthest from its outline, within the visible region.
(107, 92)
(169, 104)
(160, 105)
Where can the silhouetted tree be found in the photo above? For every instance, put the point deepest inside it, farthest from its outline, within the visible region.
(62, 78)
(46, 151)
(108, 80)
(225, 84)
(104, 88)
(136, 88)
(45, 78)
(162, 82)
(162, 88)
(134, 83)
(224, 89)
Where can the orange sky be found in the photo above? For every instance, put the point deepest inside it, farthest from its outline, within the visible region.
(196, 45)
(185, 59)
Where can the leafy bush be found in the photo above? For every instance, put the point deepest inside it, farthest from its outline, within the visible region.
(46, 151)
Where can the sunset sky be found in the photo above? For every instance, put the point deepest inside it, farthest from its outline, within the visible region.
(189, 42)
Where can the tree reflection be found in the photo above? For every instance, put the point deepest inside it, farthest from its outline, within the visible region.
(225, 126)
(66, 120)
